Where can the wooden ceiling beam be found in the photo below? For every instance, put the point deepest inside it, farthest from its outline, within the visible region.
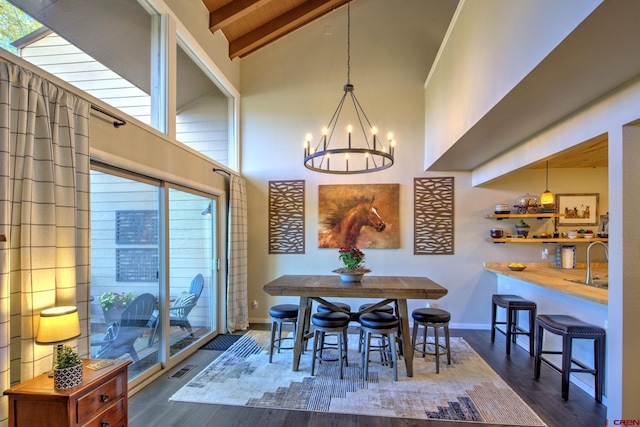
(281, 25)
(232, 12)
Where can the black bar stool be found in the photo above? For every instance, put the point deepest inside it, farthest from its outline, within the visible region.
(513, 304)
(435, 318)
(385, 309)
(571, 328)
(282, 314)
(330, 322)
(379, 323)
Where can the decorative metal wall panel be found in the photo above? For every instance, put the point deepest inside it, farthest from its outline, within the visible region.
(136, 265)
(286, 217)
(433, 216)
(137, 227)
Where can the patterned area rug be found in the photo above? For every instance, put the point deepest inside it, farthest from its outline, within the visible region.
(466, 390)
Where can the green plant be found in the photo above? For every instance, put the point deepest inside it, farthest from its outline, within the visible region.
(67, 358)
(522, 224)
(109, 300)
(351, 257)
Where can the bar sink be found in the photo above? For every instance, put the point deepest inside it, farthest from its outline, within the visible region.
(596, 283)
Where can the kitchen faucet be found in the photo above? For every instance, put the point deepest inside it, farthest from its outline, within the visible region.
(589, 278)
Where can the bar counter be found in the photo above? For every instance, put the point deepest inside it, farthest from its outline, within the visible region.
(547, 276)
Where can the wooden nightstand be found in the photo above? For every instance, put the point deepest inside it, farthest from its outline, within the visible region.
(100, 400)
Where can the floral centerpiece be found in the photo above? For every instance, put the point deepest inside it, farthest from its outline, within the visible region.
(352, 260)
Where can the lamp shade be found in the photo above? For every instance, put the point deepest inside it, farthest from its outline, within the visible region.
(58, 324)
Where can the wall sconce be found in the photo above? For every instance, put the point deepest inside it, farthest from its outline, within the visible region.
(207, 212)
(58, 325)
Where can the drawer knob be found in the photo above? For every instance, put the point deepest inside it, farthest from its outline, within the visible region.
(103, 398)
(104, 423)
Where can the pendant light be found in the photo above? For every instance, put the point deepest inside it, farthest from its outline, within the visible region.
(546, 199)
(355, 155)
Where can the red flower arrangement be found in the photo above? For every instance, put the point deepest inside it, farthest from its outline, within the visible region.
(353, 260)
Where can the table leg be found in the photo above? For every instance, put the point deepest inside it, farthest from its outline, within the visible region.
(303, 313)
(406, 337)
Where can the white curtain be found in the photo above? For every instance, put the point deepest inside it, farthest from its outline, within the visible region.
(237, 304)
(44, 214)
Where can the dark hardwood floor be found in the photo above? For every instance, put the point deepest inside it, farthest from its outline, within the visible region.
(151, 406)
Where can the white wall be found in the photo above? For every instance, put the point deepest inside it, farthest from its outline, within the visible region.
(492, 45)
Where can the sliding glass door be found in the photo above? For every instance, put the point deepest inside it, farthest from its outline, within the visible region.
(150, 241)
(192, 268)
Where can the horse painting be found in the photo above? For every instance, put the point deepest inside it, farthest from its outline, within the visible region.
(346, 220)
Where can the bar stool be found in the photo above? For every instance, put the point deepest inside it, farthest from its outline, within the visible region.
(334, 322)
(380, 323)
(342, 305)
(384, 309)
(435, 318)
(513, 304)
(570, 328)
(282, 314)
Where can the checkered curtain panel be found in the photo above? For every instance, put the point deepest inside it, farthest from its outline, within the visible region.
(44, 213)
(237, 305)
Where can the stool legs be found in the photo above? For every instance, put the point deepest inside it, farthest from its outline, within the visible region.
(318, 347)
(392, 349)
(436, 327)
(277, 342)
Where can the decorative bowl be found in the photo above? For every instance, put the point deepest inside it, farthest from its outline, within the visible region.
(516, 268)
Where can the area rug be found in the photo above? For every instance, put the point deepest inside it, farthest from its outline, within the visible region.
(466, 390)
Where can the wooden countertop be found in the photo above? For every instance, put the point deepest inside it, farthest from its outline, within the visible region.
(547, 276)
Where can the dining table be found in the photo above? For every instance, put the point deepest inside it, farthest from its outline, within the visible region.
(386, 289)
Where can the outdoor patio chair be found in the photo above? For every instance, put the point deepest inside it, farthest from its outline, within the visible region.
(121, 336)
(180, 309)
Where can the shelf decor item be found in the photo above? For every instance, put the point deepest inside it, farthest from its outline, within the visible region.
(522, 229)
(67, 372)
(577, 209)
(352, 259)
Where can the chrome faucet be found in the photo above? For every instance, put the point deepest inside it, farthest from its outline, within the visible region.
(589, 278)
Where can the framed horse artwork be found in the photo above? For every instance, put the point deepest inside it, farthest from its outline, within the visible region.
(361, 215)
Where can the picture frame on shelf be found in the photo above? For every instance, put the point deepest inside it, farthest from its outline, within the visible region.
(580, 209)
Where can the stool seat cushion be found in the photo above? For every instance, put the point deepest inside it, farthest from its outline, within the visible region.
(284, 311)
(513, 301)
(384, 308)
(431, 315)
(342, 305)
(330, 319)
(379, 320)
(568, 325)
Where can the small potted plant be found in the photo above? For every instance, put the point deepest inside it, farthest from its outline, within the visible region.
(352, 260)
(522, 229)
(67, 372)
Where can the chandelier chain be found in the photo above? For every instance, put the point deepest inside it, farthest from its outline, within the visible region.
(348, 42)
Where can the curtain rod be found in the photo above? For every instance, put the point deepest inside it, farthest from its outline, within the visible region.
(221, 170)
(116, 124)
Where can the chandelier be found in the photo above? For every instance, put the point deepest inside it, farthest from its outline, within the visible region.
(356, 155)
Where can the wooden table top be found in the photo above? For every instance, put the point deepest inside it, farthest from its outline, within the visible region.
(393, 287)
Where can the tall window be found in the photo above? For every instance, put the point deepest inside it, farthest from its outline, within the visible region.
(202, 110)
(91, 46)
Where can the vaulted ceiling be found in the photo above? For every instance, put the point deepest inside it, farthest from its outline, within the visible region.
(249, 25)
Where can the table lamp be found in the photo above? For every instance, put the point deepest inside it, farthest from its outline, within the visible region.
(58, 325)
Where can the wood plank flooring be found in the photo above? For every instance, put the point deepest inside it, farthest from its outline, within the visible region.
(151, 406)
